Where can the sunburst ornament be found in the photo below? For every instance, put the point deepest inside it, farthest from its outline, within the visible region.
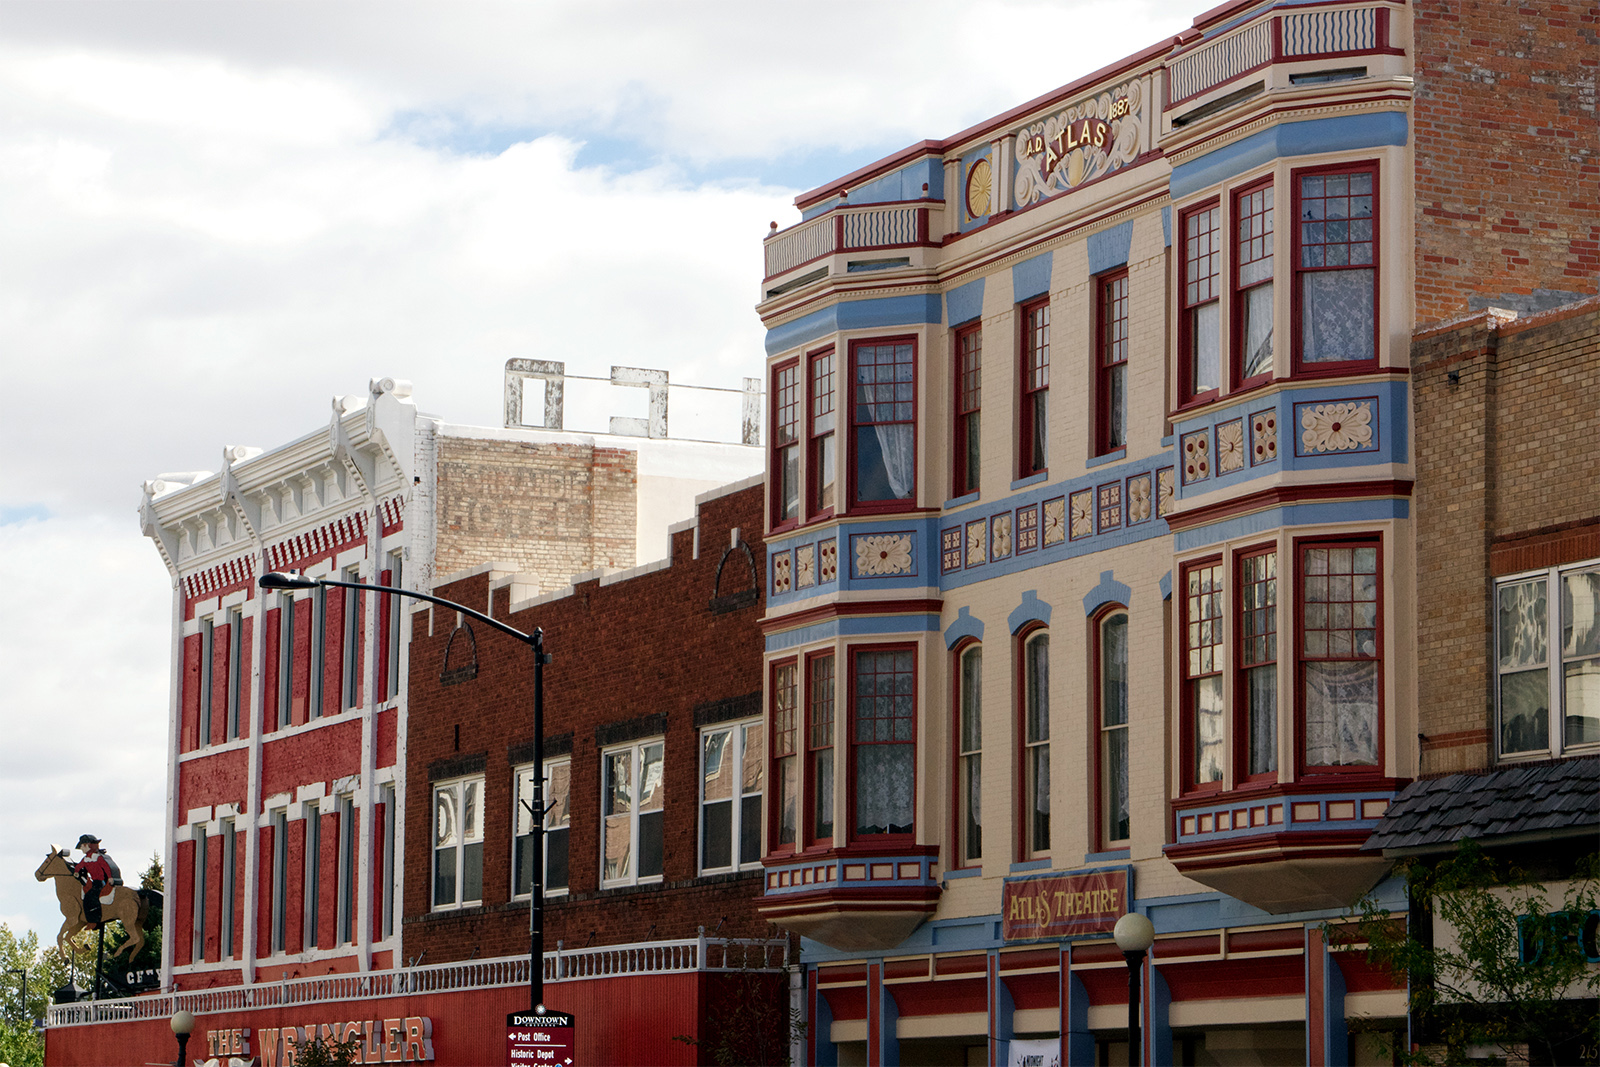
(980, 186)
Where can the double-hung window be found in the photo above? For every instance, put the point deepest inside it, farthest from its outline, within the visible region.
(457, 843)
(1112, 691)
(632, 796)
(883, 419)
(350, 652)
(883, 697)
(280, 876)
(1336, 266)
(786, 443)
(236, 673)
(1548, 660)
(286, 626)
(819, 745)
(1257, 685)
(1340, 657)
(1036, 744)
(345, 912)
(969, 396)
(391, 635)
(230, 863)
(785, 754)
(1204, 721)
(1200, 319)
(557, 827)
(732, 768)
(1111, 369)
(1252, 284)
(969, 756)
(386, 795)
(197, 945)
(208, 651)
(822, 461)
(311, 899)
(319, 652)
(1033, 452)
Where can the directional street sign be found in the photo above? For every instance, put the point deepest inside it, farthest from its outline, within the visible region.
(542, 1037)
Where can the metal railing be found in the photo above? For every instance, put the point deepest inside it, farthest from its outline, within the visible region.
(653, 957)
(846, 229)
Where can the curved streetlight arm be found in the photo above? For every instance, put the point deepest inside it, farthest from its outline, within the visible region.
(279, 580)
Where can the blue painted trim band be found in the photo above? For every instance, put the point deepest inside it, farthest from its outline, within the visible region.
(1032, 479)
(1109, 591)
(1032, 609)
(1109, 248)
(1031, 277)
(963, 627)
(1110, 457)
(854, 626)
(1292, 515)
(1337, 134)
(965, 872)
(961, 501)
(912, 310)
(964, 303)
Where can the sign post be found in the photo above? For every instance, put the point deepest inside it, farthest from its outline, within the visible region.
(540, 1037)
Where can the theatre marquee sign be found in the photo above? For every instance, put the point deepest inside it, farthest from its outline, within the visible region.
(1049, 906)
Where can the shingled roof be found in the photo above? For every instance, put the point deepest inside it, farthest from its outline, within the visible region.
(1557, 797)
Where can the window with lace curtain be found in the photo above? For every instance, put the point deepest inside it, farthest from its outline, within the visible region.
(1336, 266)
(1340, 656)
(883, 421)
(883, 709)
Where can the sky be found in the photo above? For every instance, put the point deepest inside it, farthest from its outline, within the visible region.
(214, 218)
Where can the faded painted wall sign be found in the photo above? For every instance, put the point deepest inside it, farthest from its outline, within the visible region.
(1083, 142)
(1061, 905)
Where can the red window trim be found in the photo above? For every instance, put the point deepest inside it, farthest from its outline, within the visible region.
(774, 810)
(1239, 720)
(958, 859)
(1097, 623)
(813, 509)
(1372, 540)
(1100, 388)
(958, 461)
(1027, 463)
(1020, 849)
(1236, 294)
(808, 835)
(850, 835)
(1188, 738)
(1187, 396)
(775, 450)
(1331, 370)
(857, 505)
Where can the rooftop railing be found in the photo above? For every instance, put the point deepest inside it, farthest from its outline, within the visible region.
(847, 229)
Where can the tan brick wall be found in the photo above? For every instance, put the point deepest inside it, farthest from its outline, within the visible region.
(1508, 470)
(553, 510)
(1507, 153)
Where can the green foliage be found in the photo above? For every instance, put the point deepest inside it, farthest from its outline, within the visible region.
(1475, 992)
(20, 1044)
(320, 1053)
(47, 972)
(153, 876)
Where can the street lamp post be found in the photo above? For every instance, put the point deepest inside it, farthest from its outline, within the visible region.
(182, 1025)
(1134, 935)
(535, 641)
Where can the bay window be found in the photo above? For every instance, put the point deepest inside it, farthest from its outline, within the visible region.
(969, 757)
(1339, 655)
(883, 418)
(1257, 685)
(632, 797)
(1111, 373)
(1036, 744)
(822, 460)
(1112, 695)
(557, 827)
(1336, 275)
(883, 741)
(732, 768)
(820, 746)
(1252, 284)
(1548, 660)
(785, 755)
(1203, 721)
(1033, 451)
(966, 461)
(1200, 322)
(457, 843)
(786, 443)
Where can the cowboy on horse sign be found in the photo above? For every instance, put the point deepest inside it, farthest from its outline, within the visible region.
(95, 883)
(95, 871)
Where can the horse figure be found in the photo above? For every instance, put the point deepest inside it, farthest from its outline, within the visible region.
(130, 906)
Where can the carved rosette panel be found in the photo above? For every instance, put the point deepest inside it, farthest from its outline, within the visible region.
(883, 555)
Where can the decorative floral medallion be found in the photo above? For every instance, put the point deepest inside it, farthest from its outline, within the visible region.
(1138, 499)
(980, 188)
(805, 566)
(781, 564)
(880, 555)
(1110, 506)
(1196, 456)
(977, 542)
(1082, 512)
(1164, 488)
(828, 561)
(1230, 446)
(1000, 536)
(1027, 529)
(950, 549)
(1263, 437)
(1055, 520)
(1339, 427)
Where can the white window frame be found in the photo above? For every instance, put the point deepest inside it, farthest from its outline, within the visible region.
(350, 642)
(555, 819)
(637, 750)
(345, 929)
(391, 650)
(311, 897)
(235, 670)
(732, 757)
(197, 947)
(280, 877)
(208, 647)
(1554, 662)
(386, 795)
(230, 857)
(286, 621)
(464, 840)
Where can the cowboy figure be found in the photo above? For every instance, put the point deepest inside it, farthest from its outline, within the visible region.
(95, 871)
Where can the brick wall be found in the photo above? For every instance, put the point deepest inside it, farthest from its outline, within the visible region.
(1508, 478)
(650, 644)
(1507, 155)
(552, 510)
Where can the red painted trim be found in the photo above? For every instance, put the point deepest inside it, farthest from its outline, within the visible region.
(874, 1013)
(811, 1014)
(958, 858)
(1102, 365)
(1268, 848)
(1186, 336)
(873, 506)
(1296, 271)
(1316, 999)
(1237, 295)
(1288, 791)
(774, 760)
(1097, 725)
(776, 520)
(1240, 719)
(887, 840)
(809, 776)
(1020, 843)
(861, 175)
(1027, 394)
(1284, 495)
(1188, 737)
(813, 507)
(778, 623)
(962, 480)
(1375, 541)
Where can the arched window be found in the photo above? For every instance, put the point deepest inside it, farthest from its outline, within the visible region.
(1111, 699)
(1036, 743)
(968, 733)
